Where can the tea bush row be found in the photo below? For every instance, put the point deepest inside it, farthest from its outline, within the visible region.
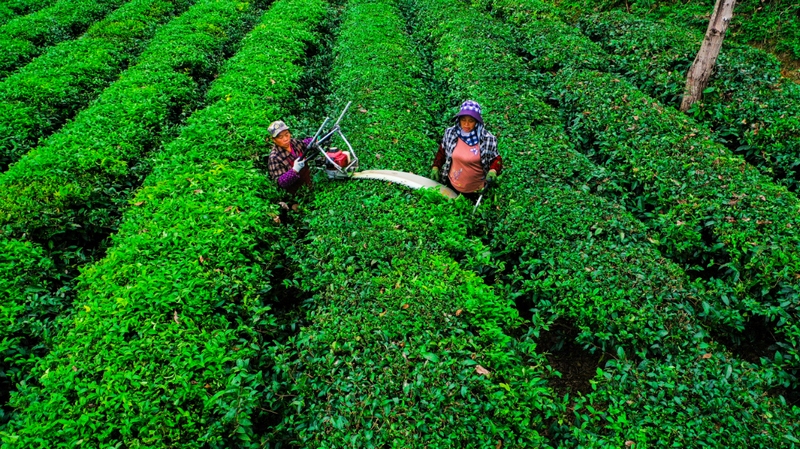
(747, 103)
(39, 98)
(702, 398)
(77, 179)
(542, 32)
(138, 111)
(712, 212)
(692, 379)
(406, 346)
(14, 8)
(27, 314)
(772, 26)
(568, 252)
(68, 193)
(382, 97)
(166, 344)
(26, 37)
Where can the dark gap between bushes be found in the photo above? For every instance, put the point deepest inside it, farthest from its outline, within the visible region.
(525, 307)
(576, 365)
(5, 396)
(698, 265)
(289, 303)
(440, 108)
(289, 306)
(286, 302)
(313, 97)
(791, 395)
(559, 343)
(757, 340)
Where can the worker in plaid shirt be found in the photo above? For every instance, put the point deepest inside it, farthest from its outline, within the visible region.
(287, 160)
(467, 159)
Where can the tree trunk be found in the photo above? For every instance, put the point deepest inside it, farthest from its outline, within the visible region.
(703, 65)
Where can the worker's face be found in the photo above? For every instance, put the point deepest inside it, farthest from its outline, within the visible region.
(283, 139)
(467, 123)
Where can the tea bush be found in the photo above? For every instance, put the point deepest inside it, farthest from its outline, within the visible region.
(713, 212)
(15, 8)
(165, 347)
(38, 99)
(701, 398)
(405, 347)
(28, 309)
(77, 180)
(26, 37)
(568, 252)
(747, 103)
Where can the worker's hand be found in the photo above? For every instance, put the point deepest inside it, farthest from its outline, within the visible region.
(435, 174)
(298, 165)
(491, 177)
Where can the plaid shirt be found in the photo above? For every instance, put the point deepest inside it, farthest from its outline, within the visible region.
(490, 158)
(281, 161)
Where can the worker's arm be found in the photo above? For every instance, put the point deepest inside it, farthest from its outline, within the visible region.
(489, 145)
(288, 179)
(440, 157)
(277, 168)
(438, 161)
(496, 164)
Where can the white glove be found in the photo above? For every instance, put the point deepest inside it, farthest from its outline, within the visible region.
(298, 165)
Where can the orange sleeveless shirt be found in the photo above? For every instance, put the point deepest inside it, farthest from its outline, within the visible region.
(466, 171)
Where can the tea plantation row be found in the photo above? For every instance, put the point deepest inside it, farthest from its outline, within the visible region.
(128, 116)
(770, 25)
(750, 107)
(712, 212)
(405, 346)
(412, 334)
(166, 347)
(25, 37)
(68, 193)
(11, 9)
(39, 98)
(577, 255)
(76, 179)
